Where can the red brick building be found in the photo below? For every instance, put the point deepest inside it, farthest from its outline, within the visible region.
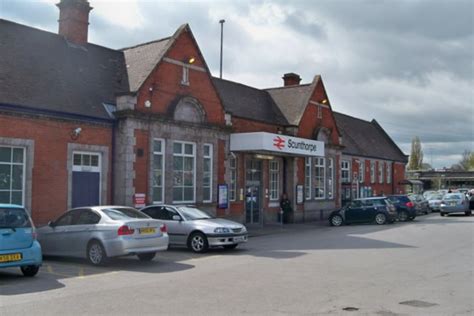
(81, 124)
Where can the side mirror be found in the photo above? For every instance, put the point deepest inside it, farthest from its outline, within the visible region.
(51, 224)
(176, 218)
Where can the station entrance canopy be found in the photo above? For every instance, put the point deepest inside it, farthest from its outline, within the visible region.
(262, 142)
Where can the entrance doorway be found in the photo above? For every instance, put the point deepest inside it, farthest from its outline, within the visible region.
(253, 191)
(85, 179)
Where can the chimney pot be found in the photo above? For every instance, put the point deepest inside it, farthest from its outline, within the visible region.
(74, 20)
(291, 79)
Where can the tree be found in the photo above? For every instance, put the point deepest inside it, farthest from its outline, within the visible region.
(467, 161)
(416, 156)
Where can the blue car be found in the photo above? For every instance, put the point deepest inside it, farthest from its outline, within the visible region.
(18, 244)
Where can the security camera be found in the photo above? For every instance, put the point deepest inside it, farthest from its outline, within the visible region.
(77, 131)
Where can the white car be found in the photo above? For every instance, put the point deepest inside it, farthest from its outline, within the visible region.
(194, 228)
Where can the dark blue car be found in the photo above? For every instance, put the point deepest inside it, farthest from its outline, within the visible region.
(406, 209)
(18, 244)
(367, 210)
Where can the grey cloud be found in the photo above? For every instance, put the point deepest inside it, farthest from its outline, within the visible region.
(39, 14)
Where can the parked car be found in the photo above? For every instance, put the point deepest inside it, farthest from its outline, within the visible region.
(434, 201)
(18, 244)
(376, 209)
(426, 194)
(405, 207)
(100, 232)
(194, 228)
(421, 204)
(455, 203)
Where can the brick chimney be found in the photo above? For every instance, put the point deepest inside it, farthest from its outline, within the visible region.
(291, 79)
(74, 20)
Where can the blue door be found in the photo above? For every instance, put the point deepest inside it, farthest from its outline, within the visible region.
(85, 188)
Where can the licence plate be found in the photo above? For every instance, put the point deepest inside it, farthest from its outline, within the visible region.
(239, 238)
(147, 230)
(11, 257)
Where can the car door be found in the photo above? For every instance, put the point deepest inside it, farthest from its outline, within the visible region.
(82, 231)
(369, 209)
(53, 238)
(353, 212)
(179, 227)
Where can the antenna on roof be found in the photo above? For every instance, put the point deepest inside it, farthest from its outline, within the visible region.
(222, 40)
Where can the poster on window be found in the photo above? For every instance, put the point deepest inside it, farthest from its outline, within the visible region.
(299, 194)
(222, 197)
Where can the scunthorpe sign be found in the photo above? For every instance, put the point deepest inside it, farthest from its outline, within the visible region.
(276, 143)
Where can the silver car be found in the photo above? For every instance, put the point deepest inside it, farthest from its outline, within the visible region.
(454, 203)
(100, 232)
(194, 228)
(434, 201)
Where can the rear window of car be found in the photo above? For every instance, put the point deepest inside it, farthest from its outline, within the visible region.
(452, 197)
(14, 218)
(123, 213)
(398, 199)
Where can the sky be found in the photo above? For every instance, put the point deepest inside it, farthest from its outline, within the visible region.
(409, 64)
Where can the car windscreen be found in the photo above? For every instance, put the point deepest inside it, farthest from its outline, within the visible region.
(123, 213)
(435, 197)
(452, 197)
(191, 213)
(14, 218)
(397, 199)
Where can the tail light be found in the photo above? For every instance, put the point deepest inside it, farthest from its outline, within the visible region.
(163, 228)
(409, 204)
(125, 230)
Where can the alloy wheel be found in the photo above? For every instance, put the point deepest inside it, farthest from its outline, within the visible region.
(197, 243)
(380, 219)
(403, 216)
(336, 220)
(95, 253)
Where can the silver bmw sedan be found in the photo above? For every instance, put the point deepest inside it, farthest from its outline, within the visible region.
(100, 232)
(194, 228)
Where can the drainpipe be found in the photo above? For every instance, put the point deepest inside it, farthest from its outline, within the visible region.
(112, 174)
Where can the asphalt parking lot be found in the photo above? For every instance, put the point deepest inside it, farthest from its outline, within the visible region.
(418, 268)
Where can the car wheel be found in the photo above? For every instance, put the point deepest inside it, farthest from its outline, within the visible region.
(468, 213)
(441, 213)
(198, 242)
(380, 219)
(96, 253)
(29, 271)
(403, 216)
(230, 246)
(336, 220)
(148, 256)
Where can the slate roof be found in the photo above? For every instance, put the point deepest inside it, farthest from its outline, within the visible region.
(248, 102)
(142, 59)
(292, 100)
(42, 70)
(367, 139)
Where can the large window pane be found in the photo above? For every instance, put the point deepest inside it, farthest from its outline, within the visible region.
(5, 197)
(183, 172)
(18, 155)
(158, 170)
(17, 197)
(17, 177)
(5, 154)
(5, 174)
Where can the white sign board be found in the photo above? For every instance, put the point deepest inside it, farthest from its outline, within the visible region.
(276, 143)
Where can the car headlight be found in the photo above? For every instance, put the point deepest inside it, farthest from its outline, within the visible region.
(442, 204)
(244, 229)
(222, 230)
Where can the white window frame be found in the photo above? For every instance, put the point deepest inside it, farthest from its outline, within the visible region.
(96, 169)
(233, 178)
(185, 78)
(158, 153)
(347, 169)
(274, 175)
(361, 171)
(372, 171)
(183, 143)
(210, 157)
(381, 172)
(307, 180)
(389, 172)
(23, 164)
(330, 178)
(320, 164)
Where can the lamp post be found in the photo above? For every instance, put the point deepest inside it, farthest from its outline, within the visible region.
(222, 40)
